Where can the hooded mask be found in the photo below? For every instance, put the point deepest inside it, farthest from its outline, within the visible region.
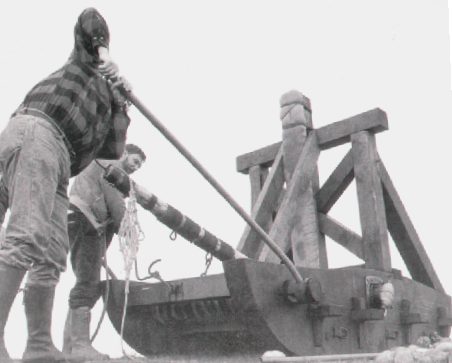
(90, 32)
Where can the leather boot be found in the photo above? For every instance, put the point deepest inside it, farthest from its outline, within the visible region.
(10, 279)
(82, 350)
(67, 343)
(38, 301)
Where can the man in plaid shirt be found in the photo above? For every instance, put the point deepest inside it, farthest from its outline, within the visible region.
(71, 117)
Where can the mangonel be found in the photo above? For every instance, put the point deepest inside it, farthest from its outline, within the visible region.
(255, 306)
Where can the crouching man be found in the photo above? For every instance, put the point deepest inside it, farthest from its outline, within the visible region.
(64, 122)
(95, 214)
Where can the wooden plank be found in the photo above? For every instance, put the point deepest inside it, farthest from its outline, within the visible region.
(336, 358)
(342, 235)
(405, 236)
(299, 183)
(323, 255)
(336, 184)
(214, 286)
(255, 182)
(339, 132)
(265, 205)
(264, 157)
(370, 200)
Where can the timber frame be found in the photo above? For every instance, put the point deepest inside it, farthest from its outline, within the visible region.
(278, 198)
(256, 305)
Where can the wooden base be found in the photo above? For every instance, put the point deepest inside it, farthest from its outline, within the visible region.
(244, 313)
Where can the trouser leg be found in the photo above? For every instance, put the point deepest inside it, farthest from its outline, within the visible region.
(35, 168)
(87, 250)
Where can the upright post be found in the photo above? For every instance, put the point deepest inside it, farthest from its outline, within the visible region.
(370, 199)
(307, 243)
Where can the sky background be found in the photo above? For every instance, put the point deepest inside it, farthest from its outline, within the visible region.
(213, 73)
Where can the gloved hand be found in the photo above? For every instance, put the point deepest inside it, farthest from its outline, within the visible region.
(122, 83)
(119, 88)
(118, 178)
(119, 85)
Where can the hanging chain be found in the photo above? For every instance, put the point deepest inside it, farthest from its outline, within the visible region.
(208, 262)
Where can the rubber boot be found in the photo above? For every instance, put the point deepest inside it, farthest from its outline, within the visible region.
(38, 301)
(82, 350)
(10, 279)
(67, 342)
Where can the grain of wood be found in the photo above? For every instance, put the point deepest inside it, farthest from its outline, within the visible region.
(370, 200)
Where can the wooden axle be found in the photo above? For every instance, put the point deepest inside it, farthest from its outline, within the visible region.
(186, 227)
(173, 218)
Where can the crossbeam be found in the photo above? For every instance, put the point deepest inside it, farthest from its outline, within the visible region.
(335, 134)
(339, 132)
(348, 239)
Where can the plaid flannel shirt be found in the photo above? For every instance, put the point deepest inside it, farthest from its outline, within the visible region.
(80, 101)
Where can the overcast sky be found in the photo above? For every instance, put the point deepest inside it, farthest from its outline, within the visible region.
(213, 73)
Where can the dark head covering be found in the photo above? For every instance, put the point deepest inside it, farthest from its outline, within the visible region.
(90, 32)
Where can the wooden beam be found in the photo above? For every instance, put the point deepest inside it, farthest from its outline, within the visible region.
(264, 157)
(370, 200)
(339, 132)
(299, 183)
(405, 236)
(336, 184)
(250, 244)
(305, 238)
(257, 176)
(342, 235)
(358, 357)
(214, 286)
(335, 134)
(323, 255)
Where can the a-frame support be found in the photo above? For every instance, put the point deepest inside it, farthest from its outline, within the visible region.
(276, 199)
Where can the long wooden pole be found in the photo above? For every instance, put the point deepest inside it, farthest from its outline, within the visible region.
(211, 180)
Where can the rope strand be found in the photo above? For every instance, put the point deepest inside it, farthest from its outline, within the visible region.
(130, 234)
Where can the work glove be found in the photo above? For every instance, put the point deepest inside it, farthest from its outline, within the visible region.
(118, 178)
(120, 87)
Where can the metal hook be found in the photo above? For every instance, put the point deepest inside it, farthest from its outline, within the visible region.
(156, 274)
(208, 259)
(173, 236)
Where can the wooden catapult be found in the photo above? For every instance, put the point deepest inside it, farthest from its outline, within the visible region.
(256, 305)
